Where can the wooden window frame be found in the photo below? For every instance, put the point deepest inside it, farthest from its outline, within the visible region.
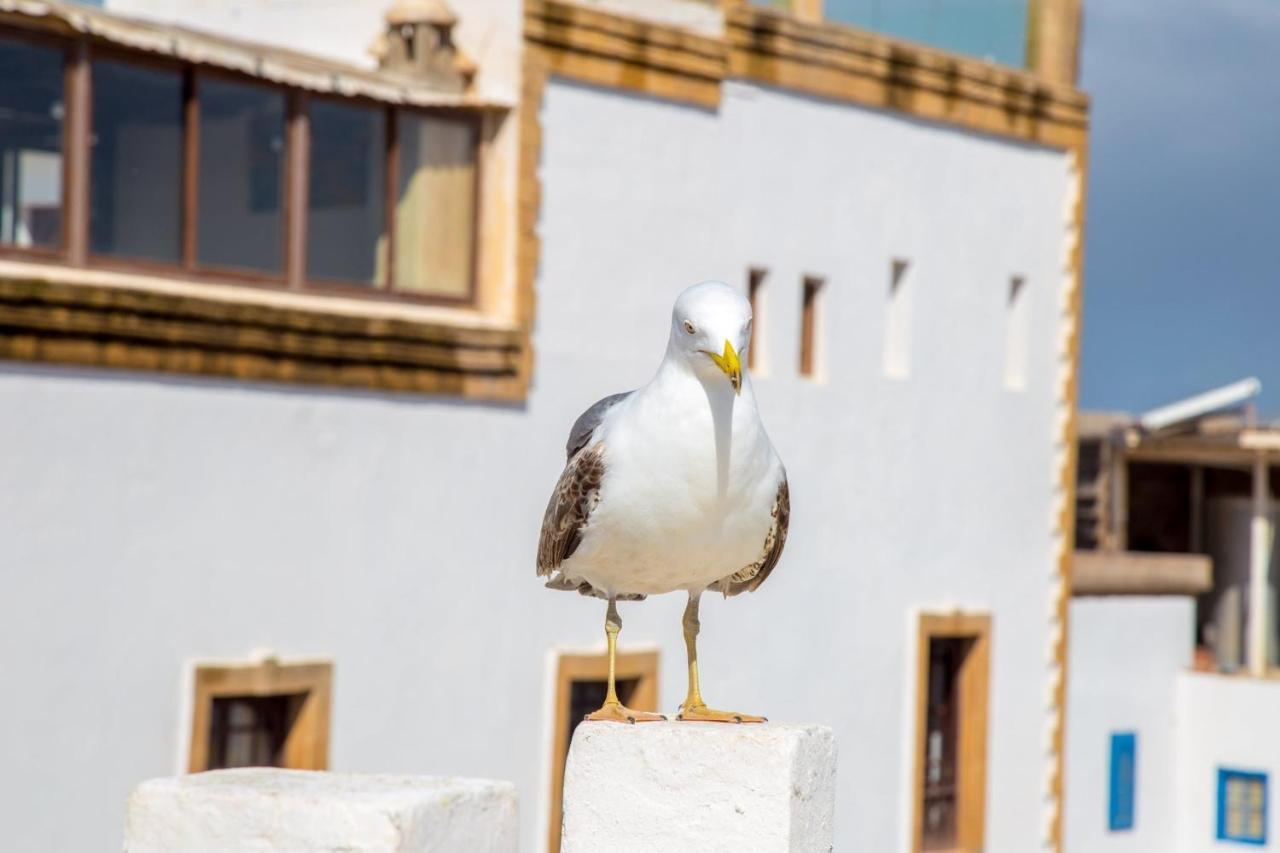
(592, 666)
(971, 770)
(307, 745)
(73, 249)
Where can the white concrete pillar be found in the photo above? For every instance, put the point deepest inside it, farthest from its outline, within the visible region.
(699, 787)
(1259, 563)
(265, 809)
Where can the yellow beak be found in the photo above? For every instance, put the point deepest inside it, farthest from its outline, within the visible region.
(731, 366)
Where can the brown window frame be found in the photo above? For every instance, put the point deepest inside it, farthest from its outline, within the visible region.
(73, 248)
(971, 760)
(307, 746)
(576, 666)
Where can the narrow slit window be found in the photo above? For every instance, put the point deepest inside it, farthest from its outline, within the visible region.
(810, 326)
(1016, 335)
(755, 295)
(897, 340)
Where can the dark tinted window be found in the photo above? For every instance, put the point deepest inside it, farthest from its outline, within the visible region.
(31, 114)
(135, 192)
(242, 134)
(346, 210)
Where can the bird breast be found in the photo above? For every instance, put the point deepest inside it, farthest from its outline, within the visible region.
(688, 491)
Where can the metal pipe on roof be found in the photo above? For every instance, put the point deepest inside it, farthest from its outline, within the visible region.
(1201, 404)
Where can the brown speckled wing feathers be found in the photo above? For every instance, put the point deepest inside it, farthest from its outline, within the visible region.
(575, 496)
(748, 578)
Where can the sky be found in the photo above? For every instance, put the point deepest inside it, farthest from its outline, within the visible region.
(1182, 241)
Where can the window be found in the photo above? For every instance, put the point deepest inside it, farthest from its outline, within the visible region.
(436, 205)
(581, 682)
(31, 126)
(251, 731)
(1242, 806)
(346, 207)
(217, 174)
(1124, 773)
(1016, 335)
(268, 714)
(897, 335)
(135, 169)
(809, 326)
(951, 726)
(241, 176)
(755, 296)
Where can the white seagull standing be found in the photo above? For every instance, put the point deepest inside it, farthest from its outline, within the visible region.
(673, 486)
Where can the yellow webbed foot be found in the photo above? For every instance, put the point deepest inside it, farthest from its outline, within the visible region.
(703, 714)
(616, 712)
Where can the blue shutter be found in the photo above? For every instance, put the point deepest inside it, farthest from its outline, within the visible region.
(1124, 777)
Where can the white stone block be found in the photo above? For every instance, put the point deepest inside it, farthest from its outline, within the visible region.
(264, 809)
(704, 787)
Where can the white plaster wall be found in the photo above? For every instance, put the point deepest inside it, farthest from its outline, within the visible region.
(149, 520)
(1125, 656)
(1223, 721)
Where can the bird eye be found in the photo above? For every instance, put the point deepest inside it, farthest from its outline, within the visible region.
(688, 327)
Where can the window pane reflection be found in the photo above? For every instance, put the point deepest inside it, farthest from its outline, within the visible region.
(135, 181)
(31, 112)
(436, 205)
(241, 176)
(345, 239)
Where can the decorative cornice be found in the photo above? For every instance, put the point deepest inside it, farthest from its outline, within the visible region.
(843, 63)
(612, 50)
(112, 326)
(817, 58)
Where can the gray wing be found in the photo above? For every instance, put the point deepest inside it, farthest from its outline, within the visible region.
(748, 578)
(585, 425)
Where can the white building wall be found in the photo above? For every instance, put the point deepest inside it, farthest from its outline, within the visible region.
(151, 520)
(1228, 722)
(929, 492)
(1125, 656)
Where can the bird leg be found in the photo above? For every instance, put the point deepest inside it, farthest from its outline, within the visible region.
(612, 710)
(694, 709)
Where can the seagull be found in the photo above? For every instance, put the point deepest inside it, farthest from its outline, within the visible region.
(673, 486)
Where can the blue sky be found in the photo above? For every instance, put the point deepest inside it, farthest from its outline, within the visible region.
(1182, 263)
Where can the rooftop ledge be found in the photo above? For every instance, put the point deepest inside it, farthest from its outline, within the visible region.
(1139, 573)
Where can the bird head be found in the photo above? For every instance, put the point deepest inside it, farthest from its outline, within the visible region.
(711, 330)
